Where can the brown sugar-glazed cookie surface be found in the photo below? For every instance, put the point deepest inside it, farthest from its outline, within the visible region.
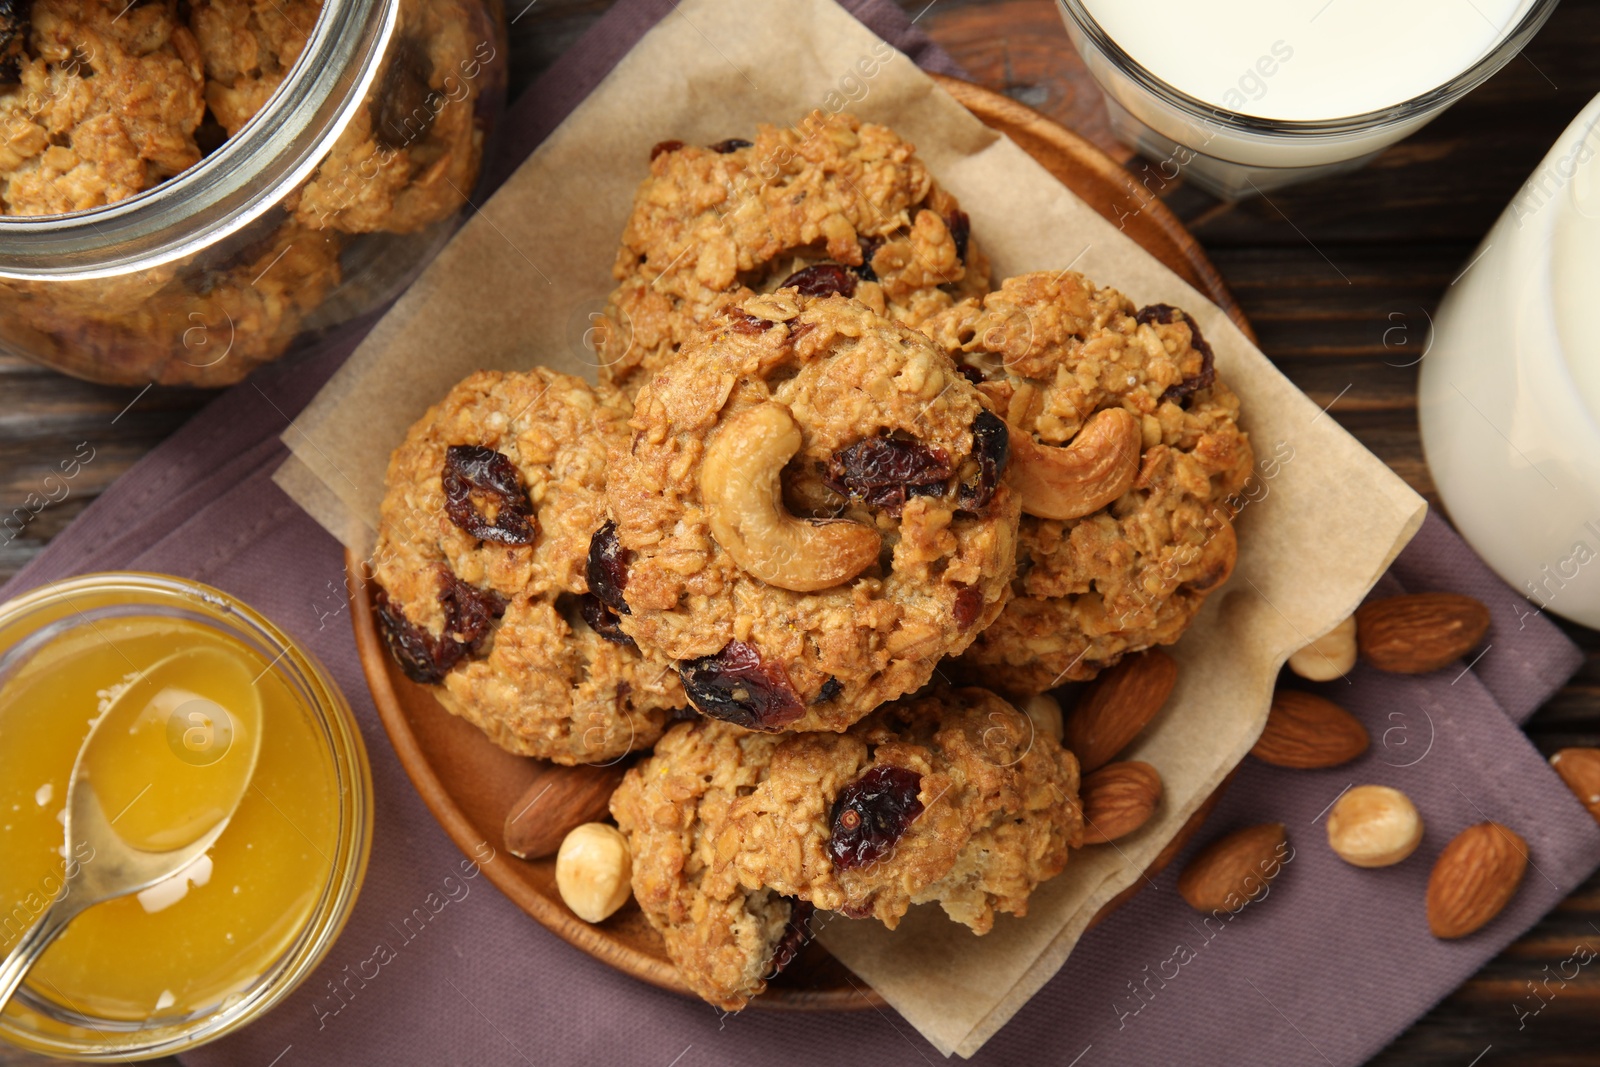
(1129, 460)
(99, 101)
(948, 797)
(809, 514)
(481, 564)
(848, 203)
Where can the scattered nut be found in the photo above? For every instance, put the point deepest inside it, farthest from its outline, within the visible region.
(1074, 480)
(1234, 870)
(1474, 878)
(1118, 799)
(1117, 705)
(1305, 732)
(558, 799)
(744, 505)
(1580, 769)
(1420, 632)
(1045, 714)
(593, 870)
(1329, 656)
(1374, 826)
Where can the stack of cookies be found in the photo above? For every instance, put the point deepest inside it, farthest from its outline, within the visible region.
(835, 509)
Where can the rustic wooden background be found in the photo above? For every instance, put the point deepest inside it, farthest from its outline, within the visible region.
(1326, 272)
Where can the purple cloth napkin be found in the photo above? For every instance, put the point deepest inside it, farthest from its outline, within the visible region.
(1328, 969)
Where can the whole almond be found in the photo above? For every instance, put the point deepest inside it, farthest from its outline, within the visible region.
(1232, 869)
(1475, 877)
(1118, 799)
(1580, 769)
(1420, 632)
(1116, 706)
(1306, 731)
(559, 799)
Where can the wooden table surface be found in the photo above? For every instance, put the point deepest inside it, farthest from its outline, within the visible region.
(1326, 272)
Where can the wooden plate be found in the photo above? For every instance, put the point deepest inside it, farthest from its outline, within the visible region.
(470, 785)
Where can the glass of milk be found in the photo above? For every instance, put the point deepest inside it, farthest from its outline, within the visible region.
(1509, 392)
(1245, 96)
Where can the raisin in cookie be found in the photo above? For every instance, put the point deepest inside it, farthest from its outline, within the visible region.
(809, 515)
(480, 565)
(726, 941)
(1127, 453)
(99, 100)
(947, 797)
(833, 205)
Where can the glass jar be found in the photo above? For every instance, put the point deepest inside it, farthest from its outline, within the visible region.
(346, 141)
(279, 882)
(1233, 154)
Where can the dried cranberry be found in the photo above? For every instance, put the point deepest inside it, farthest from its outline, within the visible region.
(991, 446)
(607, 569)
(406, 103)
(960, 227)
(794, 937)
(603, 621)
(664, 147)
(869, 248)
(736, 685)
(744, 322)
(15, 20)
(732, 144)
(823, 279)
(829, 692)
(483, 495)
(871, 814)
(1164, 314)
(968, 606)
(883, 471)
(469, 612)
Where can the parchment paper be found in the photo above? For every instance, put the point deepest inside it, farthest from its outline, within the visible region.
(520, 283)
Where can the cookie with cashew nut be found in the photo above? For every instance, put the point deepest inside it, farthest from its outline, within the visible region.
(1128, 456)
(949, 797)
(810, 513)
(481, 570)
(838, 204)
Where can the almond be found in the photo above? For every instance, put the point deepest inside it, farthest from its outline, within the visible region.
(1117, 705)
(559, 799)
(1232, 870)
(1118, 799)
(1305, 731)
(1420, 632)
(1580, 769)
(1475, 877)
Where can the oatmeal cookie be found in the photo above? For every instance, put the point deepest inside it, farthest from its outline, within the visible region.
(809, 515)
(714, 225)
(481, 563)
(98, 101)
(1128, 527)
(410, 156)
(248, 46)
(947, 797)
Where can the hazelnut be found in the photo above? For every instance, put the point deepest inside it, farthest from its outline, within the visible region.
(592, 870)
(1374, 826)
(1045, 714)
(1329, 656)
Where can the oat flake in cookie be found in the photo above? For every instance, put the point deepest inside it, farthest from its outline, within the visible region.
(1129, 459)
(948, 797)
(845, 205)
(480, 566)
(810, 513)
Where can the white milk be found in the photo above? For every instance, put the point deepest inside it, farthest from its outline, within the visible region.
(1509, 392)
(1307, 59)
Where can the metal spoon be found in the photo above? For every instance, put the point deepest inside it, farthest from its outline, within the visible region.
(115, 868)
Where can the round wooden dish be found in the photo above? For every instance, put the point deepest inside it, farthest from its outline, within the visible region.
(470, 785)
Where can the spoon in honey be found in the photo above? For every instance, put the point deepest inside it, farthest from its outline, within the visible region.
(167, 762)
